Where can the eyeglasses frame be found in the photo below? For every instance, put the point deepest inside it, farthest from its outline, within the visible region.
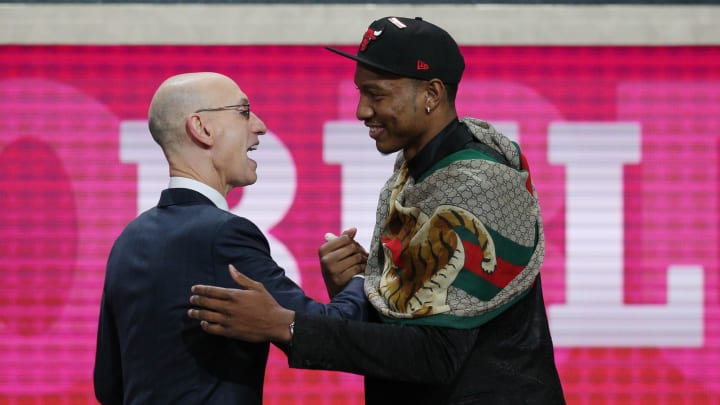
(236, 107)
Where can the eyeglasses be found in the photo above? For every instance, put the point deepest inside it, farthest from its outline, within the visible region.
(243, 109)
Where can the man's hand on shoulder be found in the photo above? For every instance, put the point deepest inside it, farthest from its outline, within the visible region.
(249, 313)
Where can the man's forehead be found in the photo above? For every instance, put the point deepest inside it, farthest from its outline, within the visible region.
(230, 92)
(362, 69)
(369, 80)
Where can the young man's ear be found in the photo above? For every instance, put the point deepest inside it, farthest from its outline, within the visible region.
(435, 92)
(199, 131)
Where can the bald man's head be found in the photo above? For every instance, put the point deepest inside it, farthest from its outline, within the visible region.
(177, 98)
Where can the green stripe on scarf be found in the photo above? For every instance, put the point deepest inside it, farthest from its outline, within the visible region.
(475, 285)
(464, 154)
(510, 251)
(456, 322)
(505, 248)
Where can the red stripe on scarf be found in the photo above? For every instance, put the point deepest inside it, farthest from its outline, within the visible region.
(526, 166)
(504, 272)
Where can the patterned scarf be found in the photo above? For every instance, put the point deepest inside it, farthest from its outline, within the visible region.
(459, 245)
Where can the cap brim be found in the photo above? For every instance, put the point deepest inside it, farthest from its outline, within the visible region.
(339, 52)
(363, 61)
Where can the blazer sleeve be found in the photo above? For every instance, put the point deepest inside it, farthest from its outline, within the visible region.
(411, 353)
(241, 243)
(107, 373)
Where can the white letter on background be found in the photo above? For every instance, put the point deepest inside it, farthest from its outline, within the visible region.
(364, 171)
(594, 313)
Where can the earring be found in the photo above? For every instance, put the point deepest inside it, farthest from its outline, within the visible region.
(427, 108)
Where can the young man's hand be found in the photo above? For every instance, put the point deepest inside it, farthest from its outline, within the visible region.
(341, 258)
(249, 313)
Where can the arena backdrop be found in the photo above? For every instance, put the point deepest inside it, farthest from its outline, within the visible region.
(623, 143)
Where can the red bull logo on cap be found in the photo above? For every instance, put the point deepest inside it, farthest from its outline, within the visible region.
(370, 35)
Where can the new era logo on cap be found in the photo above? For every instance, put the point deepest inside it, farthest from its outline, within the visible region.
(410, 47)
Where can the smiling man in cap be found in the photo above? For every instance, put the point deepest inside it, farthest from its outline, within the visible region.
(453, 274)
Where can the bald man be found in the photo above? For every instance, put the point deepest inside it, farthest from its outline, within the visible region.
(148, 350)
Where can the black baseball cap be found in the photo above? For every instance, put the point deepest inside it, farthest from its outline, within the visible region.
(410, 47)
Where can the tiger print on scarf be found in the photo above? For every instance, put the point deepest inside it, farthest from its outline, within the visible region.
(427, 254)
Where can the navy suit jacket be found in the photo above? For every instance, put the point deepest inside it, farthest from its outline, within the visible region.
(148, 350)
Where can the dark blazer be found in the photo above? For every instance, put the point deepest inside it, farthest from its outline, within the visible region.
(148, 350)
(506, 361)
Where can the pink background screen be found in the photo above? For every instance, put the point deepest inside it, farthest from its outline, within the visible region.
(66, 193)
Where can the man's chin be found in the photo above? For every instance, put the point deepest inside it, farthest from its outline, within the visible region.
(385, 150)
(246, 182)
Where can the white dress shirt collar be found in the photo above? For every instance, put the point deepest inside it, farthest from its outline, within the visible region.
(202, 188)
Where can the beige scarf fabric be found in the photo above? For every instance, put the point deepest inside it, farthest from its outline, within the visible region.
(457, 246)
